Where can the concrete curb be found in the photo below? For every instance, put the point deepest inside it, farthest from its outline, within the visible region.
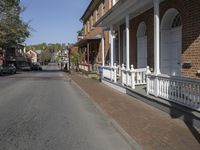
(133, 144)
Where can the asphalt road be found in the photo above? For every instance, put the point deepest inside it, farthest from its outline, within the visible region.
(45, 111)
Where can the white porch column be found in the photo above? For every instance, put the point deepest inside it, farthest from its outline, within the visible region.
(156, 37)
(156, 45)
(127, 43)
(103, 49)
(119, 46)
(114, 2)
(111, 46)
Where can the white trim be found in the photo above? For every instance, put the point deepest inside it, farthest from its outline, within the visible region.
(127, 43)
(111, 46)
(103, 49)
(119, 44)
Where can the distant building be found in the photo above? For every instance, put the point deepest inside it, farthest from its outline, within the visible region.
(15, 55)
(32, 56)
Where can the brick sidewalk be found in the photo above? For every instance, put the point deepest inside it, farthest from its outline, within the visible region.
(151, 128)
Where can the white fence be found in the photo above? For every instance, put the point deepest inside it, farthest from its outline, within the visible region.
(85, 67)
(107, 72)
(134, 77)
(128, 77)
(183, 91)
(110, 73)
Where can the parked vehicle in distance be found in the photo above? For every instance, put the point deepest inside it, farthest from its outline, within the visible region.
(36, 67)
(1, 70)
(25, 67)
(9, 69)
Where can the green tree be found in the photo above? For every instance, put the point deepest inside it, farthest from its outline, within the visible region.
(46, 56)
(74, 58)
(12, 29)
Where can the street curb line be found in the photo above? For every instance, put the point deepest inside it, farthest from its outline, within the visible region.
(133, 144)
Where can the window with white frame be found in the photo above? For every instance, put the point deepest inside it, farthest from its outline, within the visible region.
(91, 21)
(103, 7)
(177, 21)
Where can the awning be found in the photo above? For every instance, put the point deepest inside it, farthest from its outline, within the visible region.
(89, 38)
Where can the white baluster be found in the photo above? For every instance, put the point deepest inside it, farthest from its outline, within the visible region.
(132, 77)
(115, 73)
(123, 75)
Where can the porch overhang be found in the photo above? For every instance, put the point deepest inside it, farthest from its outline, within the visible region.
(85, 41)
(122, 8)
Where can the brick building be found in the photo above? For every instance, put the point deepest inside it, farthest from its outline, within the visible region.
(89, 38)
(160, 38)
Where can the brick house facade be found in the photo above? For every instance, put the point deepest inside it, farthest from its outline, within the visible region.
(89, 45)
(190, 17)
(189, 11)
(155, 48)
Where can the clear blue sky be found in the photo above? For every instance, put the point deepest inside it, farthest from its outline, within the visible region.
(54, 21)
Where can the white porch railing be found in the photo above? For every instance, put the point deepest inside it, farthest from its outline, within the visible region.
(134, 77)
(85, 67)
(130, 78)
(183, 91)
(107, 72)
(110, 73)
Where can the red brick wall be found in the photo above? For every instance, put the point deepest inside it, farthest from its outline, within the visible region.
(96, 31)
(190, 13)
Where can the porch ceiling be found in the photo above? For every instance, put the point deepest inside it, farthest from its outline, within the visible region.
(85, 41)
(124, 7)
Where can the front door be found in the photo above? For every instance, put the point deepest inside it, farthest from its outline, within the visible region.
(142, 52)
(171, 51)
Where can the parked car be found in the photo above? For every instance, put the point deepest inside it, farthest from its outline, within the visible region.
(36, 67)
(25, 68)
(1, 70)
(9, 69)
(12, 69)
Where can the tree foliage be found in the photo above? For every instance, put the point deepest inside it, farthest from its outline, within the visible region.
(74, 58)
(48, 50)
(12, 29)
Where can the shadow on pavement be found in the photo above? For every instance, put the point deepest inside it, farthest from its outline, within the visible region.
(188, 120)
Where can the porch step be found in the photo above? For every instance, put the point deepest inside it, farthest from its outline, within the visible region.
(189, 116)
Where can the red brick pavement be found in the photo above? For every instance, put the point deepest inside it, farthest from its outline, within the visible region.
(151, 128)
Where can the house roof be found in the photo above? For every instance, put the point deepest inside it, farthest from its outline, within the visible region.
(89, 9)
